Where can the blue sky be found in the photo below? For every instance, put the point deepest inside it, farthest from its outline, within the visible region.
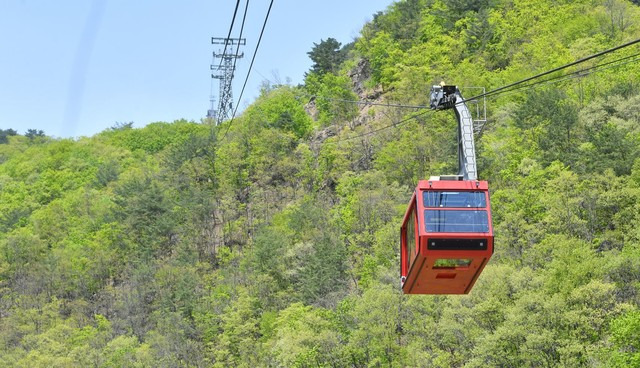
(75, 68)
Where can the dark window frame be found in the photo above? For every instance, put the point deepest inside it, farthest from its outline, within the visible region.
(457, 199)
(456, 221)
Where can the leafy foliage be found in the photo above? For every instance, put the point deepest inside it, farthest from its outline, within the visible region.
(327, 56)
(5, 134)
(273, 241)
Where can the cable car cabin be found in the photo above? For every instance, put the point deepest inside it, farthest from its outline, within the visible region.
(446, 237)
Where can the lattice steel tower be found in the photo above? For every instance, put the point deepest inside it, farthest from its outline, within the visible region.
(225, 71)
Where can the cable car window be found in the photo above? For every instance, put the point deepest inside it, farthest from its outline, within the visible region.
(454, 199)
(411, 238)
(451, 262)
(453, 221)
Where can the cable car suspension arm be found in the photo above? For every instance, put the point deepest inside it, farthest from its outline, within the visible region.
(448, 97)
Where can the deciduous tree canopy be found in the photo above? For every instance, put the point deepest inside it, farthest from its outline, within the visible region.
(274, 241)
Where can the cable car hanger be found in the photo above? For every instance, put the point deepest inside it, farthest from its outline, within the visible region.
(446, 97)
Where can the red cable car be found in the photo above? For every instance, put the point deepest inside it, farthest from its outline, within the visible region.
(446, 237)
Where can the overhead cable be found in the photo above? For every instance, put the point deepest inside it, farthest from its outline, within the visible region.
(576, 74)
(233, 20)
(244, 17)
(395, 124)
(555, 70)
(492, 93)
(364, 102)
(500, 90)
(255, 52)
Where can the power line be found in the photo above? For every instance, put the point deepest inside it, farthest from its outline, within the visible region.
(255, 52)
(578, 73)
(226, 72)
(233, 20)
(395, 124)
(554, 70)
(244, 17)
(492, 93)
(572, 75)
(365, 102)
(487, 94)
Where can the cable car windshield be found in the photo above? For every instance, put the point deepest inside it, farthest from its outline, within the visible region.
(452, 221)
(454, 199)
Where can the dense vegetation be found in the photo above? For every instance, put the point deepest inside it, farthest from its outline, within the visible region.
(273, 241)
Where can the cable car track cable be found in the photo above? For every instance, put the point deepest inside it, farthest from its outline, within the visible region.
(386, 126)
(493, 93)
(573, 75)
(576, 74)
(244, 18)
(255, 52)
(601, 53)
(364, 102)
(499, 90)
(233, 20)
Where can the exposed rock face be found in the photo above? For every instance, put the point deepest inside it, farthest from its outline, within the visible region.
(311, 109)
(367, 112)
(359, 75)
(321, 135)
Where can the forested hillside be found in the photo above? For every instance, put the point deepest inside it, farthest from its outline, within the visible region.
(272, 240)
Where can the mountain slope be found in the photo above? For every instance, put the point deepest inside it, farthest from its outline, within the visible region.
(273, 241)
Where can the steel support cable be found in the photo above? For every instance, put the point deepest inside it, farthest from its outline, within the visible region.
(578, 73)
(255, 52)
(233, 20)
(499, 91)
(244, 18)
(572, 75)
(491, 93)
(395, 124)
(363, 102)
(235, 59)
(580, 61)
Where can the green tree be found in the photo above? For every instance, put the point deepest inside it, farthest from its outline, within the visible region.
(307, 337)
(5, 133)
(327, 56)
(625, 339)
(34, 133)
